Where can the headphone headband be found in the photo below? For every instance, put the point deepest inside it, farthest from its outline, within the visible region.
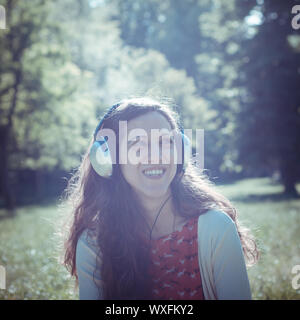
(108, 112)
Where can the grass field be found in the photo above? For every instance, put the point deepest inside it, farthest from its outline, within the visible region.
(27, 245)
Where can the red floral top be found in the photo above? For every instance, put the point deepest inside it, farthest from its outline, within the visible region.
(175, 268)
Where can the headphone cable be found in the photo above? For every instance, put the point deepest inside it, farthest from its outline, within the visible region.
(157, 217)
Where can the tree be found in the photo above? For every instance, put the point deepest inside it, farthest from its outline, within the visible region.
(41, 95)
(268, 125)
(258, 88)
(15, 41)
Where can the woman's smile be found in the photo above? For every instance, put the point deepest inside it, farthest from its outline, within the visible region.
(154, 173)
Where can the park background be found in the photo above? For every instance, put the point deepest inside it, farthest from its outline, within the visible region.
(232, 68)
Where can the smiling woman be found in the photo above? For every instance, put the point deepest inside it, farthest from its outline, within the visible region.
(152, 230)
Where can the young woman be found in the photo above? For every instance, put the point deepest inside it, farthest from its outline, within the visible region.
(152, 231)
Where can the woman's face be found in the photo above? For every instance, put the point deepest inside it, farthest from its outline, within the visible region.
(152, 179)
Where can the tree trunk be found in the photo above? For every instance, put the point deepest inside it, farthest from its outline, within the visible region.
(39, 185)
(5, 131)
(9, 199)
(289, 177)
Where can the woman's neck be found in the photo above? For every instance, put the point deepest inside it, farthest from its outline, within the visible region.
(164, 222)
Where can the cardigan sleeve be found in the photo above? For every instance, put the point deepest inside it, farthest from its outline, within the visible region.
(228, 263)
(89, 279)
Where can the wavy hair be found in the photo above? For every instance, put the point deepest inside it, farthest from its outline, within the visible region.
(110, 209)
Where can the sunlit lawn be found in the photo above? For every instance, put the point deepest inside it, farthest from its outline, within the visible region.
(28, 252)
(275, 222)
(27, 245)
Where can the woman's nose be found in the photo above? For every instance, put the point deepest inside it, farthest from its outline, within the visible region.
(158, 154)
(154, 154)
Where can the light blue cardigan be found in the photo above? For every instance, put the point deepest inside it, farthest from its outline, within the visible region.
(221, 261)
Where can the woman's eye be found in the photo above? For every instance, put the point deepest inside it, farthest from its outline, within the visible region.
(143, 143)
(166, 141)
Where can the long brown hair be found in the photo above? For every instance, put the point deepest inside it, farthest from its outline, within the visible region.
(112, 211)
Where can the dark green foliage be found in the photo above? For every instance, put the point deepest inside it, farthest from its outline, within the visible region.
(232, 67)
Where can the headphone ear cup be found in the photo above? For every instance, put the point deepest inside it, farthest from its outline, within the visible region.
(100, 158)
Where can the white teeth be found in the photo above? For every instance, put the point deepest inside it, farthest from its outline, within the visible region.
(153, 172)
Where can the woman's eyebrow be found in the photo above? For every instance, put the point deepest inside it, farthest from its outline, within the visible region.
(135, 139)
(167, 135)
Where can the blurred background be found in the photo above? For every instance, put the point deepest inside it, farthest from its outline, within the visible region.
(233, 69)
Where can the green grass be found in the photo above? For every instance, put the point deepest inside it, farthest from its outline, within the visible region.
(275, 222)
(29, 253)
(28, 245)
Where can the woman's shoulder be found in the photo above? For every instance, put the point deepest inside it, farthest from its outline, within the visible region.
(214, 223)
(213, 216)
(87, 251)
(87, 239)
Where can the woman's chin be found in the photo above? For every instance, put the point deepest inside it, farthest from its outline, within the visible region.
(156, 192)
